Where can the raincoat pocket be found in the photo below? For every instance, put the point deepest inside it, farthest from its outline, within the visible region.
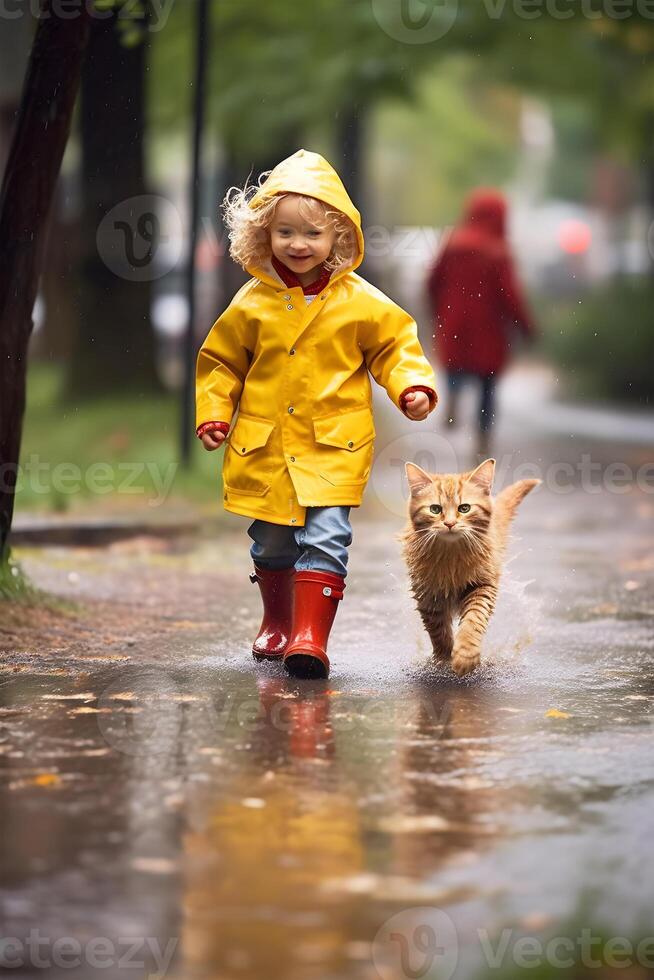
(344, 444)
(247, 467)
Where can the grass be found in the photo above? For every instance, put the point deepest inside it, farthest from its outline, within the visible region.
(14, 585)
(109, 455)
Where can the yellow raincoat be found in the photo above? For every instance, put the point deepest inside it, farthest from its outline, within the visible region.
(299, 374)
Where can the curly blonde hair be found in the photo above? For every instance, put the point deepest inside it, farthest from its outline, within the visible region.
(249, 238)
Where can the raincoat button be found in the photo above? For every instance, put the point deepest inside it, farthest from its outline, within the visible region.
(292, 351)
(292, 459)
(290, 409)
(293, 520)
(350, 444)
(288, 296)
(290, 306)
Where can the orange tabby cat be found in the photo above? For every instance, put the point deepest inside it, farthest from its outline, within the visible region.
(453, 545)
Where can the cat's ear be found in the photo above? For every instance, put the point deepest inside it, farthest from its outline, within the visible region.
(483, 475)
(419, 481)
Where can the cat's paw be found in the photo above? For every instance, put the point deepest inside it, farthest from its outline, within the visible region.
(464, 661)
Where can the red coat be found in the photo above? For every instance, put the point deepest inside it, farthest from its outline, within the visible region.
(475, 297)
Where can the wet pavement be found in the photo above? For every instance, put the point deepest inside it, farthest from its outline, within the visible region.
(172, 808)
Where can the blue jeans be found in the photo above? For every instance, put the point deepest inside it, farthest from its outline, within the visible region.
(320, 545)
(455, 379)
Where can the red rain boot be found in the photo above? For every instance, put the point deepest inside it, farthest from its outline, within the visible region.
(317, 595)
(276, 587)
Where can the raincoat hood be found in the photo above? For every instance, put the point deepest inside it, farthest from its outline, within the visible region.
(483, 226)
(486, 211)
(310, 174)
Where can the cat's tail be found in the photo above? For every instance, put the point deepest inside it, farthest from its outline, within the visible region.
(506, 504)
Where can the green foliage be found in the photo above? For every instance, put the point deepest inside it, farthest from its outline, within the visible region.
(281, 69)
(580, 948)
(456, 135)
(131, 19)
(276, 68)
(577, 147)
(111, 455)
(605, 343)
(14, 585)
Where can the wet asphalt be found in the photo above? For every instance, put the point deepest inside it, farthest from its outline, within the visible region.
(172, 808)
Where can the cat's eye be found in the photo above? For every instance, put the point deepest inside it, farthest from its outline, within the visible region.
(464, 508)
(436, 509)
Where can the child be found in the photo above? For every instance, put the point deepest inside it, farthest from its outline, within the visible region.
(293, 351)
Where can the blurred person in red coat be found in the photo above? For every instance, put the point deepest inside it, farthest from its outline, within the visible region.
(477, 304)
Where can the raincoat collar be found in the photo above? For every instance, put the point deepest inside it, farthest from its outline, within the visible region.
(308, 173)
(289, 278)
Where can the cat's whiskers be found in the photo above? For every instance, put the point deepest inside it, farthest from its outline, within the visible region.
(424, 540)
(473, 540)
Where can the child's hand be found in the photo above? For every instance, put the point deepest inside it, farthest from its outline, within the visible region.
(213, 440)
(416, 405)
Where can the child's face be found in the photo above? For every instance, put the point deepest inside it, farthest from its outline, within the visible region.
(299, 244)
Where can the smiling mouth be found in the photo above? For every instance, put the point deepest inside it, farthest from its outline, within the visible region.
(299, 258)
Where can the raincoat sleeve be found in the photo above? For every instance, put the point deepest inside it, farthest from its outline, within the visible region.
(393, 354)
(222, 365)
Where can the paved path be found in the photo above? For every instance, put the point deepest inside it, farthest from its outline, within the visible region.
(158, 785)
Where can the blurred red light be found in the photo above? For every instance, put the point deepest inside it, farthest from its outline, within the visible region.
(574, 237)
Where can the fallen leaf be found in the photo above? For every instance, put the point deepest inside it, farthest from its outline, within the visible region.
(111, 656)
(555, 713)
(431, 823)
(412, 825)
(88, 696)
(604, 609)
(154, 865)
(536, 921)
(47, 779)
(89, 711)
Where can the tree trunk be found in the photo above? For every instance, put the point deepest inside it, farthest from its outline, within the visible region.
(15, 43)
(350, 133)
(114, 349)
(231, 275)
(649, 184)
(54, 341)
(234, 171)
(34, 160)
